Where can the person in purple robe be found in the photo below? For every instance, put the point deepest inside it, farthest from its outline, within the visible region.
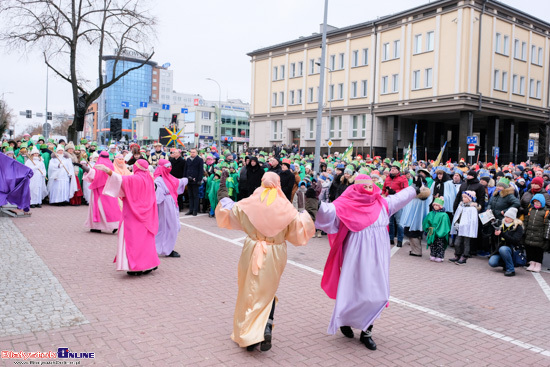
(167, 188)
(15, 183)
(356, 273)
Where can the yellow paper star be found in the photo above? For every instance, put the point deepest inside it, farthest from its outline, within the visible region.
(174, 137)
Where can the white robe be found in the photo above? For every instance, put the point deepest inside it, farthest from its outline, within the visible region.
(61, 185)
(467, 226)
(37, 183)
(86, 186)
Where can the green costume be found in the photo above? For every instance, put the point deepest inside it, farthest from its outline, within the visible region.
(213, 193)
(437, 224)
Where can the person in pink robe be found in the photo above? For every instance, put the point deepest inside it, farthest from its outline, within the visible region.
(136, 250)
(103, 212)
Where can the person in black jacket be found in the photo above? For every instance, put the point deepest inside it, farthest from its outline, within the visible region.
(471, 184)
(508, 236)
(242, 180)
(274, 166)
(287, 179)
(254, 174)
(194, 171)
(178, 168)
(333, 190)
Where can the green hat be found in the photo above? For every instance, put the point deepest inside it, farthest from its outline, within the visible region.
(226, 152)
(261, 159)
(83, 141)
(224, 165)
(363, 171)
(503, 182)
(440, 201)
(218, 172)
(41, 138)
(397, 165)
(24, 145)
(5, 144)
(43, 146)
(387, 160)
(94, 144)
(9, 149)
(283, 151)
(50, 140)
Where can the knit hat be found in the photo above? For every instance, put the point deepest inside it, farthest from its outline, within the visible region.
(470, 194)
(538, 181)
(540, 198)
(34, 151)
(511, 213)
(504, 182)
(348, 171)
(439, 201)
(485, 178)
(69, 146)
(472, 173)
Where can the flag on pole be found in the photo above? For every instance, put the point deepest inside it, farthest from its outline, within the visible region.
(407, 158)
(347, 156)
(414, 158)
(436, 163)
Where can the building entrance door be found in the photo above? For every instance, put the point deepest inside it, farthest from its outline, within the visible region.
(295, 137)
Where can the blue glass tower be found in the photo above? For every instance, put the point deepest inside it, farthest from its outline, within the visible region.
(135, 87)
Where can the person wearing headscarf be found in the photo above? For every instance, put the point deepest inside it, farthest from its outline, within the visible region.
(136, 250)
(356, 273)
(269, 220)
(167, 189)
(61, 178)
(120, 165)
(254, 174)
(103, 211)
(38, 180)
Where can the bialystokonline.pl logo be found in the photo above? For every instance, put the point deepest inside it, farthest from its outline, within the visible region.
(64, 354)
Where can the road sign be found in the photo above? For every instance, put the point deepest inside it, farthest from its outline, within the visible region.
(165, 106)
(184, 110)
(471, 140)
(531, 146)
(497, 151)
(471, 147)
(143, 104)
(196, 101)
(125, 104)
(471, 150)
(46, 128)
(330, 143)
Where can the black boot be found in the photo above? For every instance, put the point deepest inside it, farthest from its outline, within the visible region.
(366, 338)
(346, 330)
(266, 344)
(251, 348)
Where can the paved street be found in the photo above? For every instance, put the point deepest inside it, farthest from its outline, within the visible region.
(59, 289)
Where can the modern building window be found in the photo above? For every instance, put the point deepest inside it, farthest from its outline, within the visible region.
(539, 85)
(277, 130)
(385, 51)
(364, 88)
(311, 128)
(300, 68)
(532, 86)
(292, 70)
(522, 85)
(205, 115)
(341, 61)
(274, 101)
(205, 129)
(533, 54)
(395, 83)
(310, 97)
(358, 126)
(311, 66)
(317, 94)
(341, 91)
(291, 98)
(504, 84)
(416, 79)
(353, 90)
(506, 45)
(496, 79)
(331, 92)
(430, 40)
(384, 85)
(335, 127)
(516, 49)
(428, 76)
(332, 62)
(275, 69)
(281, 98)
(365, 56)
(515, 84)
(299, 96)
(417, 44)
(282, 72)
(355, 58)
(154, 87)
(540, 56)
(497, 42)
(396, 49)
(524, 51)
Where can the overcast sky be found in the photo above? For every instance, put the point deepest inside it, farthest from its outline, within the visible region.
(210, 39)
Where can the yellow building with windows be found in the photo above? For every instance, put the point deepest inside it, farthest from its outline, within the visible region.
(427, 66)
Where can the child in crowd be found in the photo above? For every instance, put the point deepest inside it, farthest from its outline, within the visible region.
(437, 225)
(299, 201)
(508, 236)
(465, 225)
(536, 226)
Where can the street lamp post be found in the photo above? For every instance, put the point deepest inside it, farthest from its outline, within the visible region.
(329, 98)
(219, 117)
(319, 126)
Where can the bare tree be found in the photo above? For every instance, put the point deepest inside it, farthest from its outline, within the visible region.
(69, 31)
(6, 117)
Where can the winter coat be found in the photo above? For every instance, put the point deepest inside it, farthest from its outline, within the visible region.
(254, 176)
(503, 200)
(299, 201)
(344, 184)
(296, 183)
(395, 184)
(287, 183)
(470, 185)
(526, 201)
(333, 191)
(277, 169)
(536, 223)
(509, 236)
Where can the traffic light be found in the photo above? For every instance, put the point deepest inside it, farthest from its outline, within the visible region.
(126, 113)
(116, 129)
(28, 114)
(49, 114)
(175, 118)
(155, 116)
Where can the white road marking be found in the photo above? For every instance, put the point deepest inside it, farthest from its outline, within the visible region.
(545, 287)
(416, 307)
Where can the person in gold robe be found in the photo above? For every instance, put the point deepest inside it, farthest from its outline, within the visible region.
(269, 220)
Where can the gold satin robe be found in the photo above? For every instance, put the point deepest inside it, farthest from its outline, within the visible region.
(256, 292)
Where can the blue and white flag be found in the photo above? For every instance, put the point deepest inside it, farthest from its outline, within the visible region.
(414, 147)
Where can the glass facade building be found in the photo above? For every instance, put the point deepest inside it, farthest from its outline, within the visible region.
(134, 88)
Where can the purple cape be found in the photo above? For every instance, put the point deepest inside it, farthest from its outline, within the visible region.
(14, 183)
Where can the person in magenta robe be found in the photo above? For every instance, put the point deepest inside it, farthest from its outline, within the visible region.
(357, 270)
(136, 251)
(167, 188)
(103, 211)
